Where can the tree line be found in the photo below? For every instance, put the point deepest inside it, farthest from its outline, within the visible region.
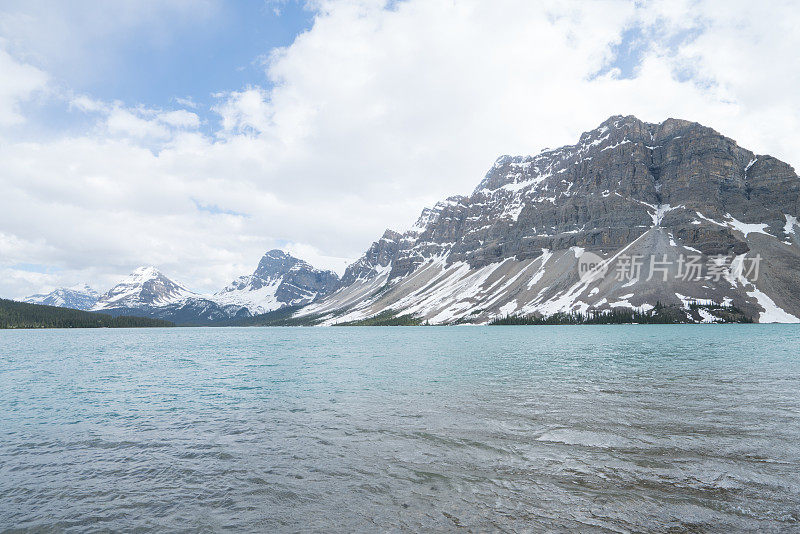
(23, 315)
(660, 314)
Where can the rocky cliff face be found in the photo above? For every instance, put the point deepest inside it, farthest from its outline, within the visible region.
(626, 188)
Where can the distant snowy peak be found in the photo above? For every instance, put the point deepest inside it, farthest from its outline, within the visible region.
(81, 297)
(279, 280)
(144, 287)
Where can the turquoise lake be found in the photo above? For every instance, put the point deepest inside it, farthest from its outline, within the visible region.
(661, 428)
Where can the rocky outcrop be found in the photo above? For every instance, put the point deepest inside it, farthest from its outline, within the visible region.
(380, 255)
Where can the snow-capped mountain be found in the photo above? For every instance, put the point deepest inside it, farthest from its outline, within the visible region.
(146, 287)
(627, 192)
(81, 297)
(279, 280)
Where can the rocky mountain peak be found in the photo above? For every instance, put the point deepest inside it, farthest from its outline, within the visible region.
(145, 273)
(279, 280)
(275, 263)
(377, 258)
(145, 286)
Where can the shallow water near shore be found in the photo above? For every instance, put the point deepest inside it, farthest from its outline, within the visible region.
(684, 428)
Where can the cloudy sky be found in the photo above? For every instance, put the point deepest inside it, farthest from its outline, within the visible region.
(194, 135)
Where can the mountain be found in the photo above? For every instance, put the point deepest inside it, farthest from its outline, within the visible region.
(149, 293)
(146, 287)
(78, 298)
(629, 198)
(279, 280)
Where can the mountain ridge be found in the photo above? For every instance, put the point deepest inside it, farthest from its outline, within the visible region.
(80, 297)
(663, 192)
(687, 188)
(279, 280)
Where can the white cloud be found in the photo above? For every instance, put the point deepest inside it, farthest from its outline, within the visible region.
(316, 258)
(187, 102)
(374, 113)
(19, 82)
(88, 104)
(139, 122)
(148, 124)
(123, 121)
(245, 111)
(180, 119)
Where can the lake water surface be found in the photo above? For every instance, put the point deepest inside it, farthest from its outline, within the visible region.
(686, 428)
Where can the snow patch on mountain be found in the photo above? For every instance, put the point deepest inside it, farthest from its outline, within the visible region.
(746, 228)
(791, 223)
(243, 294)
